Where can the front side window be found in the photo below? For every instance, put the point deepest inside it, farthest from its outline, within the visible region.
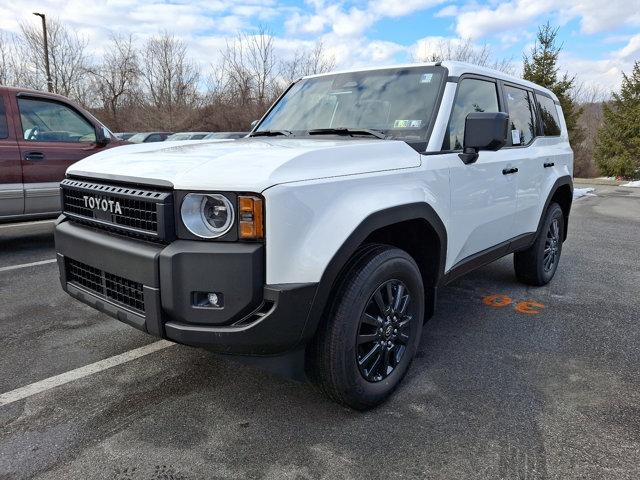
(47, 121)
(521, 116)
(395, 103)
(4, 128)
(549, 114)
(473, 96)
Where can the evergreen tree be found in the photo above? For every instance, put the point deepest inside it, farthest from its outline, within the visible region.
(617, 150)
(542, 68)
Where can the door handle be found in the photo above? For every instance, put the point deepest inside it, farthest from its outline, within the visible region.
(550, 164)
(509, 171)
(34, 156)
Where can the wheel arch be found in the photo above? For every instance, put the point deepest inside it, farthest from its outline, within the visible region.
(379, 228)
(561, 193)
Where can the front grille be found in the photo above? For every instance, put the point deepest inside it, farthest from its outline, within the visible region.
(106, 285)
(129, 210)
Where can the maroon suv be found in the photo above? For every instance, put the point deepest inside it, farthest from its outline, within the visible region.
(41, 134)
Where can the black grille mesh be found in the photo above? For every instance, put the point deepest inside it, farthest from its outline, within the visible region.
(139, 208)
(106, 285)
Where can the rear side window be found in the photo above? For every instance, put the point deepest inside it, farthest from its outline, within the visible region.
(4, 129)
(473, 96)
(45, 121)
(521, 116)
(549, 114)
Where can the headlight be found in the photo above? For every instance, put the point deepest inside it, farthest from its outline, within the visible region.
(207, 215)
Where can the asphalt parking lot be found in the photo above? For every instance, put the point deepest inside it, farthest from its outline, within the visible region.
(495, 392)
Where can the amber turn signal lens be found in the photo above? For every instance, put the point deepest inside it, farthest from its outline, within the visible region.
(251, 218)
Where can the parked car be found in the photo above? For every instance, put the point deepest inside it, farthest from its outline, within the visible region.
(149, 137)
(124, 135)
(225, 135)
(324, 236)
(188, 136)
(41, 134)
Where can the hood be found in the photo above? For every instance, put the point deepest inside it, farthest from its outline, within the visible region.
(248, 164)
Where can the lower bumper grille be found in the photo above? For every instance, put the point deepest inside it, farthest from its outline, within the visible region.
(106, 285)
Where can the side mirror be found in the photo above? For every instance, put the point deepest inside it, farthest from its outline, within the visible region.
(484, 131)
(254, 123)
(102, 136)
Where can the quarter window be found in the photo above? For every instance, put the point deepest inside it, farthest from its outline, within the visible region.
(4, 129)
(45, 121)
(549, 114)
(521, 117)
(473, 96)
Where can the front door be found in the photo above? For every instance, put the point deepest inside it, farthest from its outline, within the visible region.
(11, 190)
(483, 194)
(54, 136)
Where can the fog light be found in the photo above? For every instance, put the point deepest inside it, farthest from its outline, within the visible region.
(208, 299)
(213, 299)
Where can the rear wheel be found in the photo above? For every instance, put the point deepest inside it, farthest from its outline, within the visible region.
(538, 264)
(364, 348)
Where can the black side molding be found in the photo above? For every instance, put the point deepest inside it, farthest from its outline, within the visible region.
(563, 181)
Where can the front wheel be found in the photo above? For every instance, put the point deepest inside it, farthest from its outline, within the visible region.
(538, 264)
(365, 346)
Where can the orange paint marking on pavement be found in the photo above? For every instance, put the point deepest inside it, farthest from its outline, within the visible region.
(529, 308)
(496, 300)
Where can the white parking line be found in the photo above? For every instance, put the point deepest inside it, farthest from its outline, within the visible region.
(53, 382)
(25, 265)
(26, 224)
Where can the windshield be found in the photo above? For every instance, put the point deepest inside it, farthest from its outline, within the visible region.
(179, 136)
(398, 102)
(138, 137)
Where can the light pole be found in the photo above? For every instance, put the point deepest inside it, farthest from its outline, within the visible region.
(46, 50)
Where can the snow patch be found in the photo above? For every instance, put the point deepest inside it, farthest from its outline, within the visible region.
(583, 192)
(635, 184)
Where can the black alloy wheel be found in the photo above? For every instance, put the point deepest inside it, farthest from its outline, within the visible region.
(384, 331)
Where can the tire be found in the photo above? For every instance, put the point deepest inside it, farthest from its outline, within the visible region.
(347, 359)
(538, 264)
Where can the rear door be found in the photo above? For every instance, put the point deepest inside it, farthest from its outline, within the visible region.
(11, 189)
(483, 194)
(53, 136)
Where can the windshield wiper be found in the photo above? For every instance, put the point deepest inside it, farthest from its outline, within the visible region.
(271, 133)
(348, 131)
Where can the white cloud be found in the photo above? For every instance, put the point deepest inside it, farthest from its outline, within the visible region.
(475, 23)
(603, 74)
(631, 50)
(351, 21)
(597, 16)
(507, 18)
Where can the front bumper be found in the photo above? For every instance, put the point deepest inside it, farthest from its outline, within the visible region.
(257, 319)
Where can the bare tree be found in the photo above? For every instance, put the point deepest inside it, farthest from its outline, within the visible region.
(249, 67)
(170, 82)
(5, 62)
(67, 57)
(463, 51)
(13, 71)
(116, 79)
(307, 62)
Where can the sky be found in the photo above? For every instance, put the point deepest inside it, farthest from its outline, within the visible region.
(601, 38)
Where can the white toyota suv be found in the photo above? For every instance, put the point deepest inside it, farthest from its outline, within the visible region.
(324, 235)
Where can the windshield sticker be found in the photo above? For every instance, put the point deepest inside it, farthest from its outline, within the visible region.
(426, 78)
(407, 124)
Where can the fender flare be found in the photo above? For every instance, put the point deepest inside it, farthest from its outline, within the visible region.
(375, 221)
(560, 182)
